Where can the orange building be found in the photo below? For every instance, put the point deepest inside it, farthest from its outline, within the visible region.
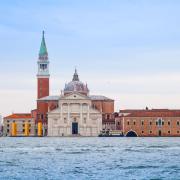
(154, 122)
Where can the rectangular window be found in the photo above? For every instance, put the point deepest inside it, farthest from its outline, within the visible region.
(150, 123)
(134, 123)
(142, 123)
(178, 123)
(128, 123)
(169, 123)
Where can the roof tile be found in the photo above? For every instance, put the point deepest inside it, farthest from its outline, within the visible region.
(19, 116)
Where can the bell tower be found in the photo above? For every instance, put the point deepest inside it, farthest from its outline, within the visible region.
(42, 83)
(43, 70)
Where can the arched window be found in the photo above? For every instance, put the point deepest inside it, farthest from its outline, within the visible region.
(160, 122)
(142, 122)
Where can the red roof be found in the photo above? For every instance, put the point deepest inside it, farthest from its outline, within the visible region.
(19, 116)
(153, 113)
(129, 110)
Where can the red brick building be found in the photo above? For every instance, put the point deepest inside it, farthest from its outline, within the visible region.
(154, 122)
(106, 106)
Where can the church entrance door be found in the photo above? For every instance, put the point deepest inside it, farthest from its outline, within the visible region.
(74, 128)
(159, 132)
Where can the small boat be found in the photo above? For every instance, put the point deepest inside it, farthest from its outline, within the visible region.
(111, 133)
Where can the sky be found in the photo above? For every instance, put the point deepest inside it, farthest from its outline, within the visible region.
(128, 50)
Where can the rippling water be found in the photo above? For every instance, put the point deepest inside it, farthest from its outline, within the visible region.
(89, 158)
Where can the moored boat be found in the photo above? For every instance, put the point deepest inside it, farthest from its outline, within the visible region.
(111, 133)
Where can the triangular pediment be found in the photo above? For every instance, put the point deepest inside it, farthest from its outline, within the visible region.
(74, 95)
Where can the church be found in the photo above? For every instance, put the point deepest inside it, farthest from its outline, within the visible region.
(75, 114)
(72, 113)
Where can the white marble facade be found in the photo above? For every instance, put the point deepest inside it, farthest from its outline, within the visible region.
(75, 116)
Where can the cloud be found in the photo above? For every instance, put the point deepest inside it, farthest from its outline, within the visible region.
(128, 51)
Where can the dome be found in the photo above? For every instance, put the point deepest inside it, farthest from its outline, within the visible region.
(76, 86)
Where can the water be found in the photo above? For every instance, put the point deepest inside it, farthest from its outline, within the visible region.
(89, 158)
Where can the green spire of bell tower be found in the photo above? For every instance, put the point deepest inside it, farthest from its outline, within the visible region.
(43, 62)
(43, 54)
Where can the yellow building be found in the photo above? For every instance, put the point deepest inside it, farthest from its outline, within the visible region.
(18, 125)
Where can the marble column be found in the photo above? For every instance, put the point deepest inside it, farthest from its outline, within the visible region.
(88, 123)
(81, 114)
(61, 111)
(88, 115)
(81, 119)
(68, 113)
(69, 120)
